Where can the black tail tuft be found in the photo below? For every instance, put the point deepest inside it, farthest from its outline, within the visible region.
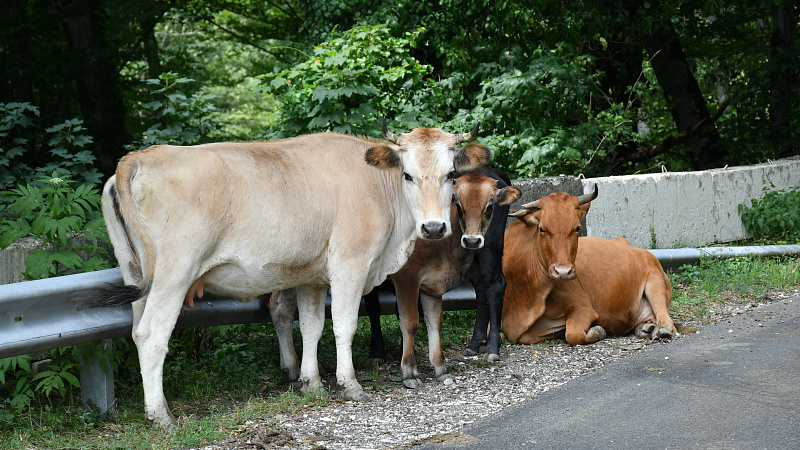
(113, 295)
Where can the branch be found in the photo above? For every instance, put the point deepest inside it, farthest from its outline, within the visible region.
(247, 41)
(139, 41)
(674, 140)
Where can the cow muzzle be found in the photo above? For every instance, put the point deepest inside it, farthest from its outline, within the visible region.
(561, 272)
(472, 241)
(434, 229)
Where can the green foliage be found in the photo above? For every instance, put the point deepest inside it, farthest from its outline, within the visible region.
(539, 123)
(17, 368)
(175, 117)
(353, 80)
(776, 215)
(13, 122)
(67, 145)
(66, 219)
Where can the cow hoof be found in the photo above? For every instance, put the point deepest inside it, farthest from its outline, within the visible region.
(491, 357)
(595, 334)
(647, 330)
(444, 377)
(412, 383)
(317, 391)
(470, 352)
(356, 394)
(662, 333)
(296, 385)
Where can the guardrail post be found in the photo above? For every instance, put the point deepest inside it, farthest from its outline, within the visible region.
(97, 380)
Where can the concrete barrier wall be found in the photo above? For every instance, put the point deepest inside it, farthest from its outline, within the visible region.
(680, 209)
(683, 209)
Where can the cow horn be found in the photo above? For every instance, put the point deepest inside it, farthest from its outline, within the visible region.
(466, 137)
(525, 209)
(586, 198)
(391, 137)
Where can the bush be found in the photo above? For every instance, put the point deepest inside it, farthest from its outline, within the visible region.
(68, 222)
(776, 215)
(353, 80)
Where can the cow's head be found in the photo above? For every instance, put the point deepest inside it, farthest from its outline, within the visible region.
(476, 197)
(556, 222)
(428, 159)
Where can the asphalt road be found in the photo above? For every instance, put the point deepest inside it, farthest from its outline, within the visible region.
(733, 385)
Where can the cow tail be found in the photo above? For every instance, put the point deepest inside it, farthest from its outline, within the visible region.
(129, 245)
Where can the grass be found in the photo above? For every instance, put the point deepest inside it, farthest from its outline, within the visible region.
(218, 378)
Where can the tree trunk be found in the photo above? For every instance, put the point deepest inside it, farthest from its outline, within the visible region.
(681, 91)
(783, 76)
(97, 79)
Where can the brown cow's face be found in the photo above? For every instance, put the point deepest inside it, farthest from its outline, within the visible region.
(476, 196)
(556, 222)
(429, 158)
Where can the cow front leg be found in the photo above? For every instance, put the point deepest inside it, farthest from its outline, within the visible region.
(345, 301)
(432, 307)
(495, 291)
(408, 314)
(311, 308)
(282, 306)
(481, 310)
(579, 329)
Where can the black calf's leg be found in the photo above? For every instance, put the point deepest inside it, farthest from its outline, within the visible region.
(376, 345)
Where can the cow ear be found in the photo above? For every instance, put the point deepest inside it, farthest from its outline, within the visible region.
(528, 219)
(508, 195)
(583, 210)
(471, 156)
(383, 157)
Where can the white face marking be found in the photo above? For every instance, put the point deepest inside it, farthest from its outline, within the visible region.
(427, 188)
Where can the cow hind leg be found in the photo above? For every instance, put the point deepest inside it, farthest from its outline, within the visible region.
(282, 306)
(372, 304)
(151, 336)
(656, 300)
(311, 308)
(432, 306)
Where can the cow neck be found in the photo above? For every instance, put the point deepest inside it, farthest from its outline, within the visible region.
(402, 238)
(539, 264)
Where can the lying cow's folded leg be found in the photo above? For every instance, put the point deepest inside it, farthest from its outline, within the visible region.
(579, 327)
(311, 308)
(432, 306)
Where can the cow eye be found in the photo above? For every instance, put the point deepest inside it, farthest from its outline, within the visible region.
(407, 176)
(578, 230)
(451, 175)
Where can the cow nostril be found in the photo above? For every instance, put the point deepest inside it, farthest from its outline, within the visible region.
(562, 271)
(472, 242)
(434, 230)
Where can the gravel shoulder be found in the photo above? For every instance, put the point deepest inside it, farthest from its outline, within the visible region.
(399, 418)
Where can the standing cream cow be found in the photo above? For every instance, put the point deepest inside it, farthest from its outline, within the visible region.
(240, 219)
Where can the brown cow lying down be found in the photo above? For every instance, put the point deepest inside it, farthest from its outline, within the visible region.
(558, 288)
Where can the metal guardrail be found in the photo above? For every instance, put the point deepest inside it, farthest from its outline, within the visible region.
(45, 314)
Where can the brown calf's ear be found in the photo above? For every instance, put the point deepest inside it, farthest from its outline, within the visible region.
(471, 156)
(508, 195)
(382, 157)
